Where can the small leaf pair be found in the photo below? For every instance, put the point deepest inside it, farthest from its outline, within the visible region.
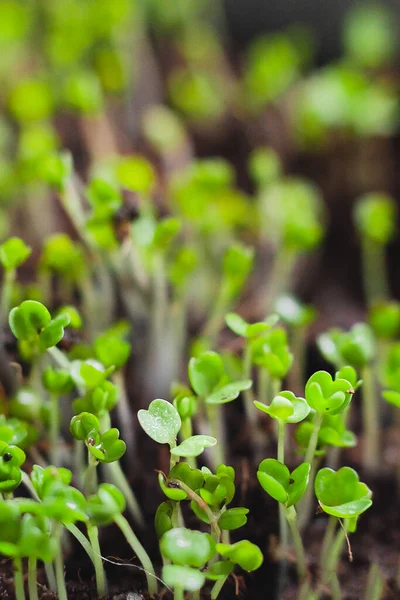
(31, 322)
(285, 487)
(105, 447)
(286, 407)
(327, 395)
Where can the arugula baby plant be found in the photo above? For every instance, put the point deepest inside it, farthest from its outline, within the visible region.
(209, 495)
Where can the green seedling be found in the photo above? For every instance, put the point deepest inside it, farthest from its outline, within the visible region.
(188, 552)
(103, 447)
(13, 253)
(287, 489)
(210, 382)
(265, 166)
(297, 317)
(236, 267)
(57, 383)
(105, 507)
(357, 347)
(272, 66)
(369, 36)
(244, 553)
(375, 218)
(341, 495)
(32, 325)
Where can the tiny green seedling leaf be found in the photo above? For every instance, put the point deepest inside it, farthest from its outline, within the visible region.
(229, 392)
(13, 253)
(11, 459)
(161, 422)
(233, 518)
(186, 547)
(241, 327)
(285, 487)
(106, 504)
(194, 446)
(162, 519)
(341, 494)
(245, 554)
(286, 407)
(205, 373)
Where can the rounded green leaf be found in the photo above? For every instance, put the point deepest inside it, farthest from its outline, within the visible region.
(233, 518)
(293, 312)
(274, 478)
(298, 483)
(161, 421)
(84, 425)
(205, 373)
(28, 319)
(245, 554)
(173, 492)
(220, 569)
(13, 252)
(194, 446)
(162, 519)
(186, 547)
(185, 578)
(384, 318)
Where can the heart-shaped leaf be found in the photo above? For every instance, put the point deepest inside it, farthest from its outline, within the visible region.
(328, 396)
(53, 332)
(161, 422)
(194, 446)
(340, 493)
(229, 392)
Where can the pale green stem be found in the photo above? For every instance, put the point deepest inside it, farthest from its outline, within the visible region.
(217, 587)
(374, 271)
(305, 505)
(279, 277)
(216, 429)
(312, 444)
(101, 582)
(32, 578)
(296, 375)
(196, 595)
(186, 432)
(59, 563)
(283, 525)
(160, 300)
(251, 411)
(328, 540)
(275, 387)
(82, 539)
(6, 294)
(59, 358)
(370, 417)
(140, 553)
(18, 580)
(90, 483)
(333, 556)
(51, 578)
(118, 478)
(264, 382)
(79, 462)
(178, 593)
(375, 584)
(54, 429)
(216, 319)
(298, 543)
